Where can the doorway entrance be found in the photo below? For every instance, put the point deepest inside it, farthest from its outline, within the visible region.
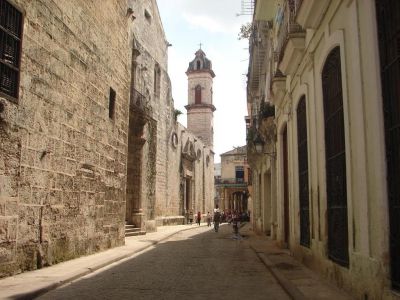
(388, 17)
(285, 186)
(335, 155)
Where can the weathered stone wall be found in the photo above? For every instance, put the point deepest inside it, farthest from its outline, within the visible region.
(205, 80)
(149, 38)
(162, 189)
(200, 122)
(63, 160)
(63, 169)
(199, 169)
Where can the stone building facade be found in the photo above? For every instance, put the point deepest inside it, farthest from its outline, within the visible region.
(329, 162)
(89, 140)
(62, 170)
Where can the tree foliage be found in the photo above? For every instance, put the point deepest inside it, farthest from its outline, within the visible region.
(245, 31)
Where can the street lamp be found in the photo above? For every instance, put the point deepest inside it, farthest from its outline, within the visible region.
(258, 143)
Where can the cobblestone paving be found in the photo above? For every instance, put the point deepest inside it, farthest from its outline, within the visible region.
(194, 264)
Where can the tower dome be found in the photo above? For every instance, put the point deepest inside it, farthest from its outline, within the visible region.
(200, 64)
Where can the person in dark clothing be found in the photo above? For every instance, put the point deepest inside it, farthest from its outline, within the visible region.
(198, 217)
(217, 218)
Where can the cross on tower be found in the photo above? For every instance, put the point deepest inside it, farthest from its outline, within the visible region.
(200, 45)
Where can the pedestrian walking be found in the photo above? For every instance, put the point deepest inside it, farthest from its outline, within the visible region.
(216, 218)
(236, 223)
(198, 219)
(208, 219)
(190, 217)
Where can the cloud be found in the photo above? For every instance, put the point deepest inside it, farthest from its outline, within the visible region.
(208, 23)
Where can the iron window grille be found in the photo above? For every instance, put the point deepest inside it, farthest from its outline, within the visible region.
(10, 48)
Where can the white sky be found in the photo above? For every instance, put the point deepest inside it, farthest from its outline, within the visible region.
(214, 23)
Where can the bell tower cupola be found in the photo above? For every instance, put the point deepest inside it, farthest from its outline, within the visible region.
(200, 108)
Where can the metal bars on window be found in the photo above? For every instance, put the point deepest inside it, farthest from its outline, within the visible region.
(335, 155)
(303, 173)
(10, 47)
(388, 19)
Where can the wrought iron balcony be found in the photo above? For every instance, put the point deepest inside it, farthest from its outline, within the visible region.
(230, 181)
(285, 18)
(139, 102)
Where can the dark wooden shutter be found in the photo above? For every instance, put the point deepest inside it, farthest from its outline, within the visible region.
(286, 185)
(197, 95)
(388, 17)
(303, 173)
(335, 153)
(10, 47)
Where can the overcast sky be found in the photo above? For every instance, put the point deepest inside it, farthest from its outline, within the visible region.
(215, 24)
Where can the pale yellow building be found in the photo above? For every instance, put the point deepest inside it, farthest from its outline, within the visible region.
(233, 185)
(326, 177)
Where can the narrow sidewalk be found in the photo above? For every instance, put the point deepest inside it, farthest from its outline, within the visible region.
(297, 280)
(31, 284)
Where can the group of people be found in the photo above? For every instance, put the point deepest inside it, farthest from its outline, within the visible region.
(218, 217)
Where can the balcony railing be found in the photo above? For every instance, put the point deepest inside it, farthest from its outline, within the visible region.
(229, 181)
(286, 18)
(139, 102)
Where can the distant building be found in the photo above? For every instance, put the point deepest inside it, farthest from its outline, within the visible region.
(232, 187)
(323, 137)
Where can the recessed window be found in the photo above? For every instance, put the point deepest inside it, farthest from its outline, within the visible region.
(239, 170)
(198, 65)
(197, 94)
(157, 80)
(147, 15)
(198, 154)
(10, 47)
(111, 104)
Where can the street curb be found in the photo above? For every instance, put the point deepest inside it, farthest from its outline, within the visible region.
(38, 292)
(288, 286)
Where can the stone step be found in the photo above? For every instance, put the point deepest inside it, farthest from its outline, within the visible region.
(129, 226)
(132, 230)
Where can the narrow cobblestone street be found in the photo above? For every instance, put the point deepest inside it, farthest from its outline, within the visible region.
(199, 263)
(194, 264)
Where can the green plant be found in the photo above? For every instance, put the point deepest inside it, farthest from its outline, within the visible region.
(177, 113)
(245, 31)
(267, 110)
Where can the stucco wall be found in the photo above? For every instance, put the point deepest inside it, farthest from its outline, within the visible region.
(351, 25)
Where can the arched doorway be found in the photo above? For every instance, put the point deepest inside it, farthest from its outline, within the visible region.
(335, 155)
(303, 172)
(286, 223)
(388, 18)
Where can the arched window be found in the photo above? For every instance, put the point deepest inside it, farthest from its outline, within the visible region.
(198, 65)
(197, 94)
(335, 155)
(303, 172)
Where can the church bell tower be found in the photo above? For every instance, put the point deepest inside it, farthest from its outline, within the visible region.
(200, 109)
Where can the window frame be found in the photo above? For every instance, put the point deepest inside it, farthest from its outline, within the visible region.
(197, 94)
(112, 100)
(19, 39)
